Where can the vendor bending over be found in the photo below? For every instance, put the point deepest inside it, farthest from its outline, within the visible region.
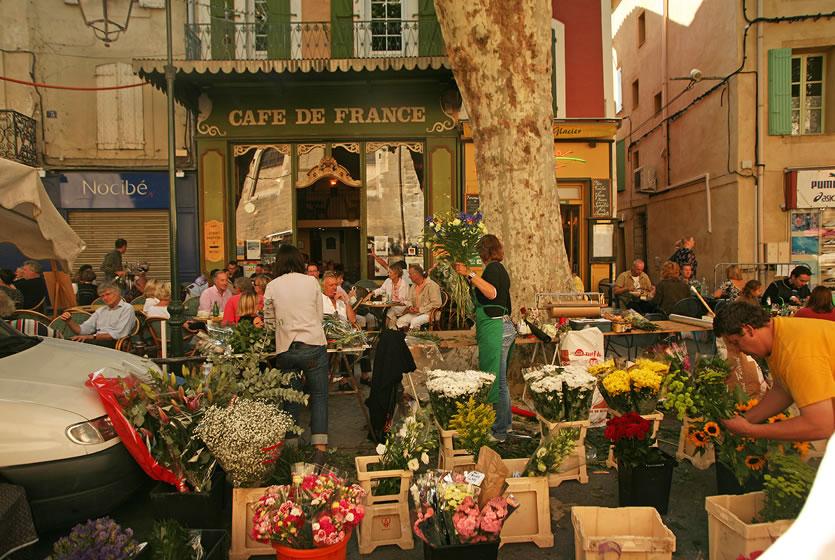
(801, 358)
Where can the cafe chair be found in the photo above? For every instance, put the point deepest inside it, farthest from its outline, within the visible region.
(436, 314)
(78, 316)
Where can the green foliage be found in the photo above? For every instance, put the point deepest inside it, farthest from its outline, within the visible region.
(473, 422)
(247, 337)
(787, 485)
(407, 447)
(246, 375)
(553, 450)
(342, 334)
(699, 393)
(170, 541)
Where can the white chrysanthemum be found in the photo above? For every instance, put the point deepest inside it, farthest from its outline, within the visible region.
(456, 384)
(424, 457)
(380, 449)
(577, 377)
(547, 385)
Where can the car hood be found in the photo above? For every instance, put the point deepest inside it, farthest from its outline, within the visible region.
(53, 374)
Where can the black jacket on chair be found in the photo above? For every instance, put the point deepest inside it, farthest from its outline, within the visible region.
(391, 360)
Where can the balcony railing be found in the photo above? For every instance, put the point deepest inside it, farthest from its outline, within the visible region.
(17, 137)
(224, 40)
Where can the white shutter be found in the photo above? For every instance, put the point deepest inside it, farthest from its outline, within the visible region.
(146, 232)
(120, 112)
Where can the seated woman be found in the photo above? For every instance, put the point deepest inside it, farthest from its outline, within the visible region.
(731, 287)
(150, 293)
(241, 286)
(819, 305)
(671, 289)
(396, 290)
(424, 295)
(751, 292)
(249, 310)
(160, 301)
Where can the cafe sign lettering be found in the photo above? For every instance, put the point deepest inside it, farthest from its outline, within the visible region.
(321, 115)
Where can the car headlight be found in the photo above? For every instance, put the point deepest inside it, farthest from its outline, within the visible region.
(95, 431)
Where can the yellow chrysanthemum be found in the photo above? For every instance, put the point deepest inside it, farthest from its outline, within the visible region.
(617, 382)
(652, 365)
(643, 378)
(605, 367)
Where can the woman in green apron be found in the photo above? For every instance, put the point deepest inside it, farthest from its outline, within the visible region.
(495, 332)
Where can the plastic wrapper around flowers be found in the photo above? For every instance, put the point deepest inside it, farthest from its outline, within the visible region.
(461, 508)
(448, 388)
(561, 393)
(633, 389)
(552, 451)
(110, 391)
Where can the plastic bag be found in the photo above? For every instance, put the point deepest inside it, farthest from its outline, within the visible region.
(109, 391)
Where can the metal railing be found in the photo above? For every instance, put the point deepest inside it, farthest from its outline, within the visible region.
(17, 137)
(223, 40)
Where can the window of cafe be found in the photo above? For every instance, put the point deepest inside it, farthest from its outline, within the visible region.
(331, 207)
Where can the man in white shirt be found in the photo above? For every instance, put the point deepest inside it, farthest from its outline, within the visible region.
(110, 322)
(335, 300)
(293, 305)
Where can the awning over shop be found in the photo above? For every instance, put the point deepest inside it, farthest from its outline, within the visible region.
(30, 221)
(192, 74)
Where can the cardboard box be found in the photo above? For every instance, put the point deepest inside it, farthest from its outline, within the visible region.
(731, 528)
(630, 533)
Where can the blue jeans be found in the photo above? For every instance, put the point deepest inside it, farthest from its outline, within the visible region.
(504, 416)
(313, 362)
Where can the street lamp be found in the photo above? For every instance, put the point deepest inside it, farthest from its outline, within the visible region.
(107, 18)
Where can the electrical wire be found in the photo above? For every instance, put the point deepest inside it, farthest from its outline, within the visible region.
(71, 88)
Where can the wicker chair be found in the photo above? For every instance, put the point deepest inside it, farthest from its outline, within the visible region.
(32, 314)
(125, 344)
(78, 316)
(436, 314)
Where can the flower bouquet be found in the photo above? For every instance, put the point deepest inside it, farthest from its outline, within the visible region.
(547, 395)
(407, 447)
(700, 393)
(97, 539)
(448, 388)
(561, 393)
(552, 451)
(615, 388)
(473, 423)
(448, 514)
(342, 334)
(246, 438)
(578, 392)
(314, 511)
(453, 238)
(645, 379)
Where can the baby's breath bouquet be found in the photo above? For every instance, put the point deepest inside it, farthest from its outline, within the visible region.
(473, 422)
(245, 437)
(551, 453)
(448, 388)
(407, 447)
(453, 238)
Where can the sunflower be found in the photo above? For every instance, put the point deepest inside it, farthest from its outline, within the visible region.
(745, 407)
(712, 429)
(754, 462)
(777, 418)
(801, 447)
(698, 438)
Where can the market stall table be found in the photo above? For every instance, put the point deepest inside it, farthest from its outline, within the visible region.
(665, 327)
(348, 357)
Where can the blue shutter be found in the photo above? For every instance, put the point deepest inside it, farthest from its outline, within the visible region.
(779, 91)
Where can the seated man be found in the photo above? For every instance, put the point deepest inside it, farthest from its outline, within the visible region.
(108, 323)
(424, 295)
(335, 301)
(217, 294)
(633, 286)
(793, 290)
(801, 359)
(32, 286)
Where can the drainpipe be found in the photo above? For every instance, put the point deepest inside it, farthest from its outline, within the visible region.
(665, 85)
(759, 164)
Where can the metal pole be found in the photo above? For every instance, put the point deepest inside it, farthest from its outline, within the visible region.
(175, 307)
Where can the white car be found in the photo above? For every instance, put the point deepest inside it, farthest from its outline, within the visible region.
(55, 437)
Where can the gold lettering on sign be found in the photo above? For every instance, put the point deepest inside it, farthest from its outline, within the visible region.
(316, 115)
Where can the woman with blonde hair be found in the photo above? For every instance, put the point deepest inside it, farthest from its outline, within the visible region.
(671, 289)
(248, 308)
(150, 293)
(162, 299)
(732, 287)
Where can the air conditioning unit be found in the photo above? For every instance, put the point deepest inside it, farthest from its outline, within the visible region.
(644, 179)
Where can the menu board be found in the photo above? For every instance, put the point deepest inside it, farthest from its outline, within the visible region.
(601, 198)
(472, 202)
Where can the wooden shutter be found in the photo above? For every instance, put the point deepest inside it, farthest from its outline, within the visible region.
(342, 29)
(430, 40)
(120, 113)
(223, 30)
(278, 30)
(146, 232)
(620, 164)
(779, 91)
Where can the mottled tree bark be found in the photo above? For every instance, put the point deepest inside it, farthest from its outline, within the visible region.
(500, 52)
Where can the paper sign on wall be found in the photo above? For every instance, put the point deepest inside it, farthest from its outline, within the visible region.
(213, 240)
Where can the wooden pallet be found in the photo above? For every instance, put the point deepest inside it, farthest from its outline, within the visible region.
(688, 450)
(386, 520)
(450, 458)
(574, 466)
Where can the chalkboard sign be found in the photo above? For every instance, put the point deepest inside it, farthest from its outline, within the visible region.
(471, 203)
(601, 198)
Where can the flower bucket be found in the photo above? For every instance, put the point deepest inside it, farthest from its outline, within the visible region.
(479, 551)
(646, 406)
(727, 484)
(647, 485)
(334, 552)
(193, 510)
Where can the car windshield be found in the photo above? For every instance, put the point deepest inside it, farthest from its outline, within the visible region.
(13, 341)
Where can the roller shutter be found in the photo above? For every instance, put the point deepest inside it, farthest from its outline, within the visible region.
(146, 232)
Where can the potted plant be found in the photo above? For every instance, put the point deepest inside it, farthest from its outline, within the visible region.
(645, 472)
(310, 518)
(97, 539)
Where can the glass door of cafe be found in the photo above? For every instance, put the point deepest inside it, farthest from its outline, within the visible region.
(573, 217)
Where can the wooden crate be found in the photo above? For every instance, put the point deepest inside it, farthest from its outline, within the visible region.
(687, 449)
(532, 521)
(730, 526)
(656, 418)
(630, 533)
(243, 545)
(574, 466)
(386, 518)
(449, 458)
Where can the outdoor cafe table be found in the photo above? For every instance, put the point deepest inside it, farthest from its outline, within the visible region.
(665, 327)
(378, 309)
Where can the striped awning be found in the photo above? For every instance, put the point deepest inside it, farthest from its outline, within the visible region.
(155, 65)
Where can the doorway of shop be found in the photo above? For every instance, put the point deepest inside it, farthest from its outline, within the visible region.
(573, 216)
(330, 246)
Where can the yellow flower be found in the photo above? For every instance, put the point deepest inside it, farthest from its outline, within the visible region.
(617, 382)
(643, 378)
(754, 462)
(745, 407)
(712, 429)
(801, 447)
(652, 365)
(777, 418)
(605, 367)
